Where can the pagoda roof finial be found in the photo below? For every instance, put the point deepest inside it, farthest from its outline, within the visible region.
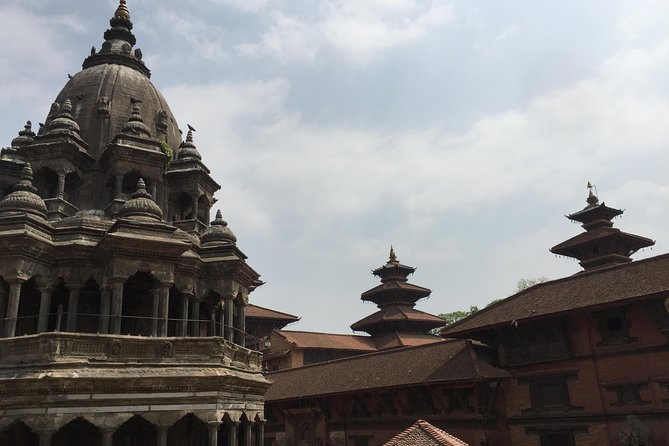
(122, 11)
(392, 258)
(592, 199)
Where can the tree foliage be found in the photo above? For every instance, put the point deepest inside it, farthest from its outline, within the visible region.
(524, 284)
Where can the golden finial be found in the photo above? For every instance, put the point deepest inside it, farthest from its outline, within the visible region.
(392, 258)
(122, 11)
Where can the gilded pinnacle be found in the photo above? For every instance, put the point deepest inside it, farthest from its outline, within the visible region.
(122, 11)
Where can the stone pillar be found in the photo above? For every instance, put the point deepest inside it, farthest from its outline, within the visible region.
(118, 190)
(248, 426)
(107, 436)
(222, 322)
(162, 434)
(195, 318)
(154, 191)
(183, 327)
(44, 306)
(13, 307)
(232, 433)
(241, 323)
(61, 185)
(3, 309)
(116, 305)
(45, 437)
(155, 311)
(164, 307)
(73, 307)
(105, 305)
(229, 319)
(212, 428)
(195, 207)
(260, 433)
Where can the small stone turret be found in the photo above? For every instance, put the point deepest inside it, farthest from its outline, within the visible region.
(218, 232)
(141, 205)
(24, 198)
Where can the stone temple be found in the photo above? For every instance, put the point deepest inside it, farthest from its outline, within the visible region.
(122, 309)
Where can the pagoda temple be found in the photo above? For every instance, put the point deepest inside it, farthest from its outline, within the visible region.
(397, 323)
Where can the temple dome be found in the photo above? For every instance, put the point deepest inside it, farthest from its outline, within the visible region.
(113, 80)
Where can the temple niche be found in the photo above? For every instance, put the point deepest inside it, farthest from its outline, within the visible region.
(122, 306)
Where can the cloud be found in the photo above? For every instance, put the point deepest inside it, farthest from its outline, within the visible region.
(357, 31)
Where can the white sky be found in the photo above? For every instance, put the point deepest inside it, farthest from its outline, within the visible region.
(460, 132)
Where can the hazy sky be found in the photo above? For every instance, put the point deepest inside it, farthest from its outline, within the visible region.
(461, 132)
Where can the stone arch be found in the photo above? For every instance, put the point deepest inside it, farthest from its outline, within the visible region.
(79, 431)
(137, 431)
(129, 184)
(73, 184)
(89, 307)
(46, 182)
(188, 431)
(29, 303)
(210, 319)
(139, 305)
(174, 314)
(18, 434)
(181, 206)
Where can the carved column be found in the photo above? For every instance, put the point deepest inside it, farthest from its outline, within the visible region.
(116, 304)
(241, 323)
(105, 305)
(195, 318)
(248, 426)
(13, 307)
(155, 311)
(107, 436)
(73, 307)
(229, 319)
(61, 185)
(212, 428)
(183, 327)
(44, 306)
(260, 433)
(45, 437)
(118, 190)
(3, 309)
(164, 307)
(195, 207)
(162, 434)
(222, 321)
(154, 191)
(232, 433)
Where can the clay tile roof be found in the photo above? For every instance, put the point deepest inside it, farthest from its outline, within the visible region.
(255, 311)
(453, 360)
(397, 313)
(397, 339)
(601, 287)
(422, 433)
(307, 339)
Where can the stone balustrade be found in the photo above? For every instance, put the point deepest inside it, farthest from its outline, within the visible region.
(57, 347)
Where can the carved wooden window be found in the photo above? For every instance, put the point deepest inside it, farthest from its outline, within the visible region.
(538, 341)
(549, 393)
(613, 327)
(557, 438)
(628, 394)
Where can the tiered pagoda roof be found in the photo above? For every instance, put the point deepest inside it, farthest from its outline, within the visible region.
(601, 244)
(396, 298)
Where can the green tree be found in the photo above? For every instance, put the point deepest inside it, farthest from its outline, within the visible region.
(454, 316)
(524, 284)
